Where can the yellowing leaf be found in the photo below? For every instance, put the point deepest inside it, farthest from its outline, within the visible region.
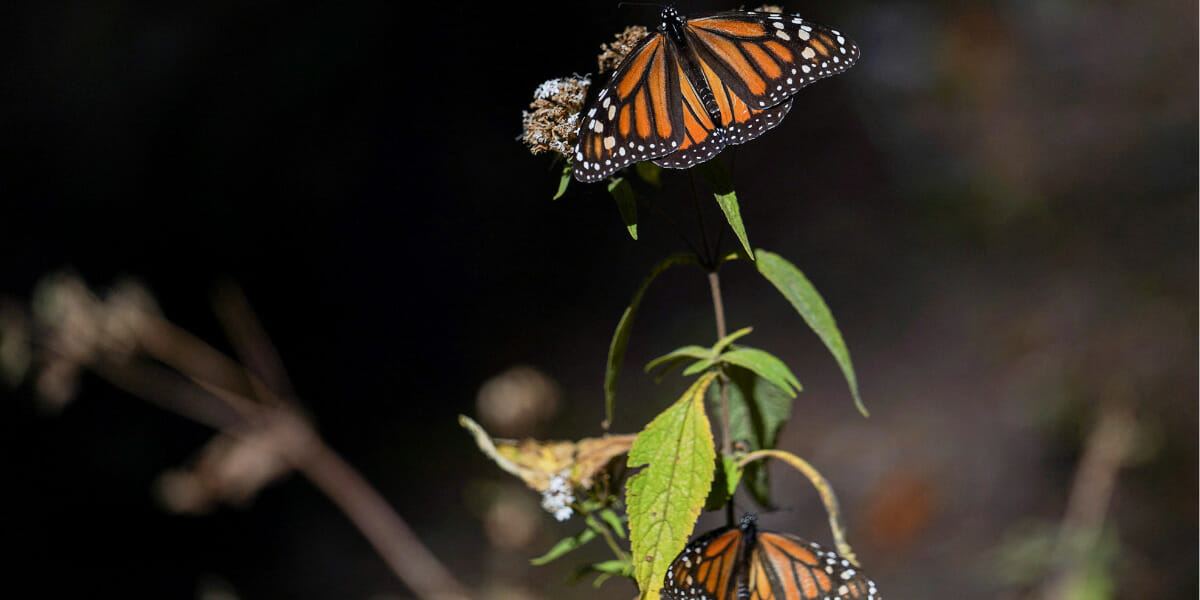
(664, 499)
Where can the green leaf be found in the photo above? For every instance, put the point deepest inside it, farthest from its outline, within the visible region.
(565, 545)
(804, 298)
(664, 499)
(718, 178)
(725, 482)
(614, 521)
(614, 567)
(698, 366)
(686, 352)
(626, 199)
(757, 412)
(606, 569)
(666, 367)
(765, 365)
(620, 340)
(563, 182)
(724, 342)
(729, 205)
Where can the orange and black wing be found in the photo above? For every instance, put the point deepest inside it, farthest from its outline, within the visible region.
(785, 567)
(733, 82)
(703, 138)
(636, 117)
(705, 568)
(765, 58)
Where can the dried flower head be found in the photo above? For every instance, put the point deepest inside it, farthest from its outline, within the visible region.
(553, 121)
(612, 54)
(74, 327)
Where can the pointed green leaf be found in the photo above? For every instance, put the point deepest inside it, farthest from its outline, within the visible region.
(699, 366)
(563, 182)
(665, 368)
(613, 567)
(717, 175)
(565, 545)
(757, 412)
(606, 570)
(626, 199)
(733, 214)
(664, 499)
(616, 348)
(691, 351)
(614, 521)
(804, 298)
(765, 365)
(724, 342)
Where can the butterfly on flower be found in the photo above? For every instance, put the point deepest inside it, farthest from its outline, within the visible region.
(742, 563)
(696, 85)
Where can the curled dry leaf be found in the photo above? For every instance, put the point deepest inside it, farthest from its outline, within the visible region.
(536, 462)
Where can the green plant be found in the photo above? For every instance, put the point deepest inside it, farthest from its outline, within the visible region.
(675, 467)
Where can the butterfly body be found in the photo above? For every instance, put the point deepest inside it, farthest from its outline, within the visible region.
(697, 85)
(743, 563)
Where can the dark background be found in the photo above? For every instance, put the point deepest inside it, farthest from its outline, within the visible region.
(999, 204)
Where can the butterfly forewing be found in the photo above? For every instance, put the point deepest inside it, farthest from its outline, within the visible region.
(791, 568)
(636, 117)
(768, 57)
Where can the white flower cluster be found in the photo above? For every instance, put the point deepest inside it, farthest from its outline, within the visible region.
(547, 89)
(558, 497)
(575, 86)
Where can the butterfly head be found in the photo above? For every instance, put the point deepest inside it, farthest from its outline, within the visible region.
(671, 19)
(748, 524)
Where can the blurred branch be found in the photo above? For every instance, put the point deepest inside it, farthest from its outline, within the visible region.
(1105, 451)
(263, 431)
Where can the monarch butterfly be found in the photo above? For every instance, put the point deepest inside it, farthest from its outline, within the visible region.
(741, 563)
(694, 86)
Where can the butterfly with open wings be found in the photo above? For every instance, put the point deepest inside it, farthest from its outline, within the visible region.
(696, 85)
(743, 563)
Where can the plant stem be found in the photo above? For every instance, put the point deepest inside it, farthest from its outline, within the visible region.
(714, 282)
(391, 537)
(190, 378)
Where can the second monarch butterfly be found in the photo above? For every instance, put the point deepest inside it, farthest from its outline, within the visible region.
(742, 563)
(694, 86)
